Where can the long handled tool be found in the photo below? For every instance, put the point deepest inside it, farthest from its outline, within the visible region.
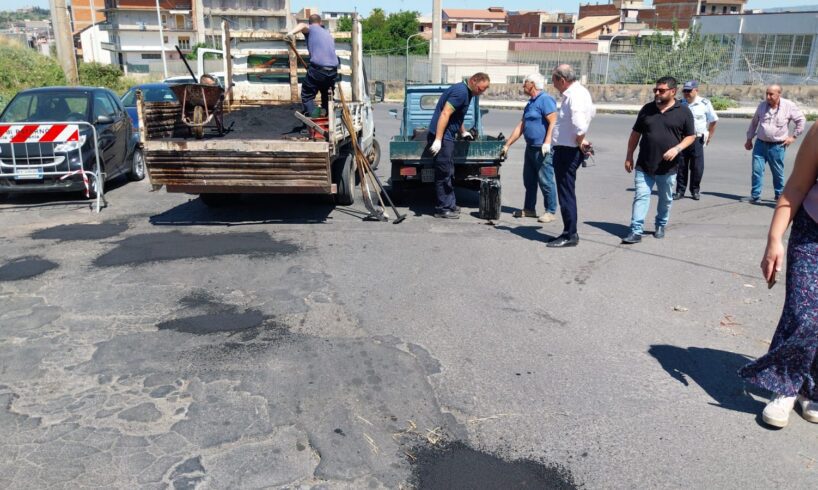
(189, 69)
(363, 166)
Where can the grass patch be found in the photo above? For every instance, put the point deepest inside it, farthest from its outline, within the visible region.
(721, 102)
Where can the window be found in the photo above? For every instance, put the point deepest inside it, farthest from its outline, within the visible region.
(703, 10)
(733, 9)
(184, 42)
(103, 106)
(429, 102)
(448, 28)
(165, 39)
(724, 10)
(151, 56)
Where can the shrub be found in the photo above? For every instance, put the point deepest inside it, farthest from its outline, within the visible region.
(22, 68)
(812, 116)
(99, 75)
(721, 102)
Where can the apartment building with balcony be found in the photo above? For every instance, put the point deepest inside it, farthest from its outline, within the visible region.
(240, 15)
(133, 31)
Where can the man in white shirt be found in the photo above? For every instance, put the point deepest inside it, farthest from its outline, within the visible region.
(692, 164)
(569, 146)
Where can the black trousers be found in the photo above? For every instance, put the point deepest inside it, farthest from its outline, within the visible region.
(444, 174)
(692, 164)
(317, 80)
(566, 161)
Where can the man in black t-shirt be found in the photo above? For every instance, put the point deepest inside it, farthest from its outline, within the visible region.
(663, 129)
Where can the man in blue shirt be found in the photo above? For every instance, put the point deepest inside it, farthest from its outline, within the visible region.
(537, 124)
(446, 124)
(324, 63)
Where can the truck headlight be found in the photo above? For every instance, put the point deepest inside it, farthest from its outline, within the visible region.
(70, 145)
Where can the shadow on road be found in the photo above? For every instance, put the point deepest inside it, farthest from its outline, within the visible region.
(251, 210)
(716, 371)
(734, 197)
(616, 229)
(533, 233)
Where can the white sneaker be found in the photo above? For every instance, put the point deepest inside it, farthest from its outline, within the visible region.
(546, 217)
(809, 409)
(777, 412)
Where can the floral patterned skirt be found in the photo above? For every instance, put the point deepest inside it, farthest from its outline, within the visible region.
(791, 365)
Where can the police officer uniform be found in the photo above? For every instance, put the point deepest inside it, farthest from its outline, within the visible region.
(692, 162)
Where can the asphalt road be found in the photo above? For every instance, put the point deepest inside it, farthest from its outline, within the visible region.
(284, 342)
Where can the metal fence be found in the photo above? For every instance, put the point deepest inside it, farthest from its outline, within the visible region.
(751, 60)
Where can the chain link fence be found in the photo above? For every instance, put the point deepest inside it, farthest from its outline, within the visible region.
(748, 60)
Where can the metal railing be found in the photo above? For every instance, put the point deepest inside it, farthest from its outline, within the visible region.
(43, 151)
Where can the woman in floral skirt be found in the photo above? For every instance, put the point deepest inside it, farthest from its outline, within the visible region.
(790, 368)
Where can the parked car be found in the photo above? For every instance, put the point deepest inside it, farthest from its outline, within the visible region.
(152, 92)
(119, 146)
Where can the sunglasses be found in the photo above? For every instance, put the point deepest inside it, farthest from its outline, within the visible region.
(660, 90)
(687, 91)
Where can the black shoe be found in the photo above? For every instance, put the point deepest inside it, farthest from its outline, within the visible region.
(754, 200)
(632, 238)
(696, 196)
(456, 209)
(660, 232)
(564, 241)
(678, 196)
(447, 214)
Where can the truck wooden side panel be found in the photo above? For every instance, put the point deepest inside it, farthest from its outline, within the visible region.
(261, 166)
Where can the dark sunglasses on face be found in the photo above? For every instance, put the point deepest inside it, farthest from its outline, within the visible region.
(687, 91)
(660, 90)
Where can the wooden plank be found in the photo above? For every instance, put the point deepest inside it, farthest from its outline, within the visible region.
(250, 190)
(228, 63)
(356, 40)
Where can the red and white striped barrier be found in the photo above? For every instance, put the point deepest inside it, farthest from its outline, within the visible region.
(39, 133)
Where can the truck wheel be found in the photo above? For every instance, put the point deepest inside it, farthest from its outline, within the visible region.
(374, 154)
(137, 170)
(489, 199)
(198, 120)
(218, 200)
(343, 175)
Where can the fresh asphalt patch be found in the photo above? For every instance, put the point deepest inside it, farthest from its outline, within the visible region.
(457, 466)
(175, 245)
(25, 268)
(80, 231)
(218, 318)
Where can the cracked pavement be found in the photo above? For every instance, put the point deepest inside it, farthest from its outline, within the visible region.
(284, 343)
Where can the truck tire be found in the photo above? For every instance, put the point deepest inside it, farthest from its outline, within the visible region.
(489, 199)
(214, 200)
(374, 154)
(343, 176)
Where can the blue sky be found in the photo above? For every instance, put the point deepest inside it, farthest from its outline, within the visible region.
(365, 6)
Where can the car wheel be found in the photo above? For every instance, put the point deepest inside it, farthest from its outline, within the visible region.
(343, 175)
(374, 155)
(137, 170)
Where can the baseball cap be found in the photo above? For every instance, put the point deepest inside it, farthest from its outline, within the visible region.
(690, 85)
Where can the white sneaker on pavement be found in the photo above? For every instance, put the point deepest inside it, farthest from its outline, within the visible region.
(809, 409)
(546, 217)
(777, 411)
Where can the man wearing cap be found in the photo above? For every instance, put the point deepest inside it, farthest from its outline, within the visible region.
(692, 162)
(324, 63)
(770, 127)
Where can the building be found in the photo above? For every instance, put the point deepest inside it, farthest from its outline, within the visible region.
(240, 15)
(85, 13)
(469, 22)
(635, 15)
(541, 24)
(133, 31)
(329, 18)
(594, 26)
(90, 41)
(766, 47)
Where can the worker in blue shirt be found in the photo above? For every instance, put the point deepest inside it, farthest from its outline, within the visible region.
(323, 69)
(536, 125)
(446, 124)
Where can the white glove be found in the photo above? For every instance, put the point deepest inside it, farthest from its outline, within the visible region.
(546, 148)
(435, 147)
(466, 136)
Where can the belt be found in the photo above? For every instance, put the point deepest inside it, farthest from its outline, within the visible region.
(566, 147)
(771, 142)
(325, 68)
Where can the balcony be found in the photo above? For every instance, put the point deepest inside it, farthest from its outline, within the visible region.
(109, 46)
(240, 12)
(187, 27)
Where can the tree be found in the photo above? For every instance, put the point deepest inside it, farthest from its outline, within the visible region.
(684, 56)
(384, 34)
(345, 24)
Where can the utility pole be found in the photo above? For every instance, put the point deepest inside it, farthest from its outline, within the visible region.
(161, 39)
(437, 36)
(63, 39)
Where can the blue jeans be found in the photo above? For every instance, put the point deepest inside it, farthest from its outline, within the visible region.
(538, 169)
(773, 154)
(665, 185)
(318, 80)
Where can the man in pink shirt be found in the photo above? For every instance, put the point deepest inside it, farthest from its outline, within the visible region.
(770, 127)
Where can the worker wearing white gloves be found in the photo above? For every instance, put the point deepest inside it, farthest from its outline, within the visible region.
(446, 123)
(323, 70)
(537, 123)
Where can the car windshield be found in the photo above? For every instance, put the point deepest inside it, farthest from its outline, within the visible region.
(153, 94)
(47, 106)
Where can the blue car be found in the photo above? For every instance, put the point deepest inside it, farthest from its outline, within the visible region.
(152, 92)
